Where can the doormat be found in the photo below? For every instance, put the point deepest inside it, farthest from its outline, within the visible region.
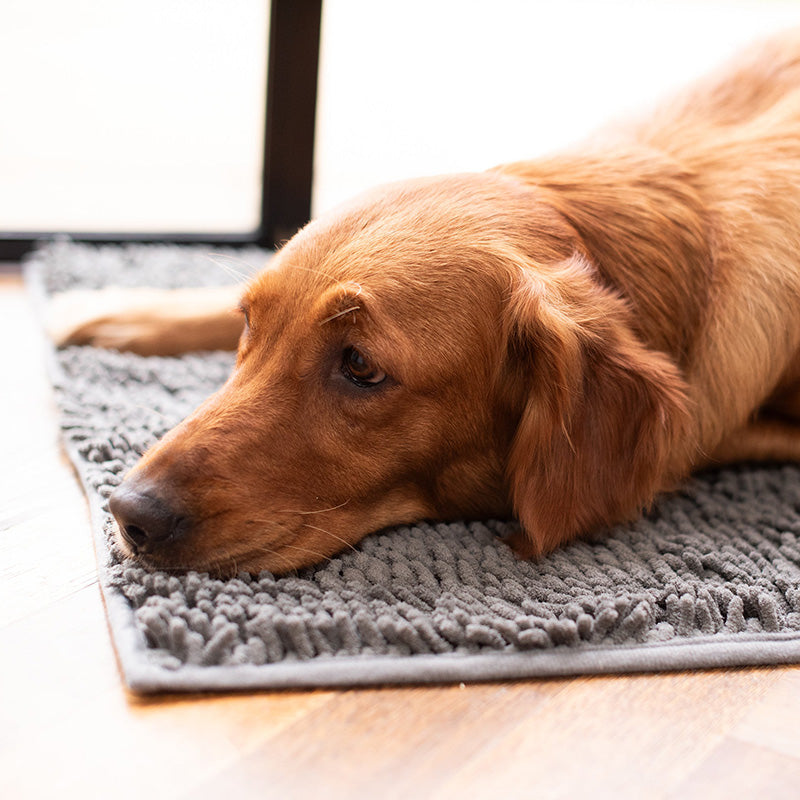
(709, 578)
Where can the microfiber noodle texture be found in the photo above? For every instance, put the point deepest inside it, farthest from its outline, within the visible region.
(710, 577)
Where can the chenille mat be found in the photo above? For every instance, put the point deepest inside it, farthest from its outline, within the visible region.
(710, 577)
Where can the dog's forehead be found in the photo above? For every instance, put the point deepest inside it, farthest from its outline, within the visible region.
(423, 254)
(403, 234)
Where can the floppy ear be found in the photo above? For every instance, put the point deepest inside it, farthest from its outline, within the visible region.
(604, 417)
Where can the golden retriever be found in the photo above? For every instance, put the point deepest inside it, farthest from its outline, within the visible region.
(559, 340)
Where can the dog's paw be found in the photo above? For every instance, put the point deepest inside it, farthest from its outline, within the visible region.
(112, 318)
(144, 320)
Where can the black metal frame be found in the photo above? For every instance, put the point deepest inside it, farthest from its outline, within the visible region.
(292, 63)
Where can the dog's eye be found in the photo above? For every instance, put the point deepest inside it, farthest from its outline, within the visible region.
(357, 369)
(245, 312)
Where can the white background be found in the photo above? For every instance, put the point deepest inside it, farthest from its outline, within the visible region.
(147, 114)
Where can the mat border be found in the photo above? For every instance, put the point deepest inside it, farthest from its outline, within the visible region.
(142, 676)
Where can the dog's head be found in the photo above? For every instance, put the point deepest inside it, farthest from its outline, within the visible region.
(436, 350)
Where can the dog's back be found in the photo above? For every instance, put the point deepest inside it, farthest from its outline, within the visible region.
(693, 214)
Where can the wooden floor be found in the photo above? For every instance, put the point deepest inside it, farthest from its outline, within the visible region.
(68, 728)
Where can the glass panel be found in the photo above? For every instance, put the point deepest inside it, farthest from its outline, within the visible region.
(132, 115)
(414, 87)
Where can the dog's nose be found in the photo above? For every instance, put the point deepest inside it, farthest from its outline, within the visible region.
(146, 519)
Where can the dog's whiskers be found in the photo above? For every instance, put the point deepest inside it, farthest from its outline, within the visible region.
(332, 535)
(300, 549)
(226, 557)
(151, 410)
(320, 511)
(338, 314)
(222, 261)
(306, 550)
(317, 271)
(280, 526)
(284, 527)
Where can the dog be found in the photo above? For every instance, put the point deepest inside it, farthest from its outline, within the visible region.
(558, 340)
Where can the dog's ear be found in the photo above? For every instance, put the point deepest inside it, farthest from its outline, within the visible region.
(603, 419)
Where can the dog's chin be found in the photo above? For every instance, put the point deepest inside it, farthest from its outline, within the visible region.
(222, 568)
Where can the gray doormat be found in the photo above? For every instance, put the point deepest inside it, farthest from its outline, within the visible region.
(710, 578)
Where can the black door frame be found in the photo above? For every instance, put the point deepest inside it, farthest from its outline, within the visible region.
(292, 65)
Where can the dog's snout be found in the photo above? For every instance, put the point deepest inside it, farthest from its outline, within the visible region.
(146, 519)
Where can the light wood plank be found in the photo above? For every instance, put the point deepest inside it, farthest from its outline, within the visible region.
(735, 769)
(773, 722)
(614, 736)
(383, 743)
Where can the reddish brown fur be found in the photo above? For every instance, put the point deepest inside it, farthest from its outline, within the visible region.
(564, 339)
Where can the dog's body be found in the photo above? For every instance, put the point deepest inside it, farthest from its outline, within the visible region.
(559, 339)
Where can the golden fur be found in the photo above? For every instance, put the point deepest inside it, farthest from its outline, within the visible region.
(562, 339)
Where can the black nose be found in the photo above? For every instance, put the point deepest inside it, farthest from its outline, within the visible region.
(146, 519)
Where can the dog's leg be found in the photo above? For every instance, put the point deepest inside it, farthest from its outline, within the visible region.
(760, 440)
(147, 321)
(774, 435)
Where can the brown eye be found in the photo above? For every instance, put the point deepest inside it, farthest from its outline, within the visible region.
(357, 369)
